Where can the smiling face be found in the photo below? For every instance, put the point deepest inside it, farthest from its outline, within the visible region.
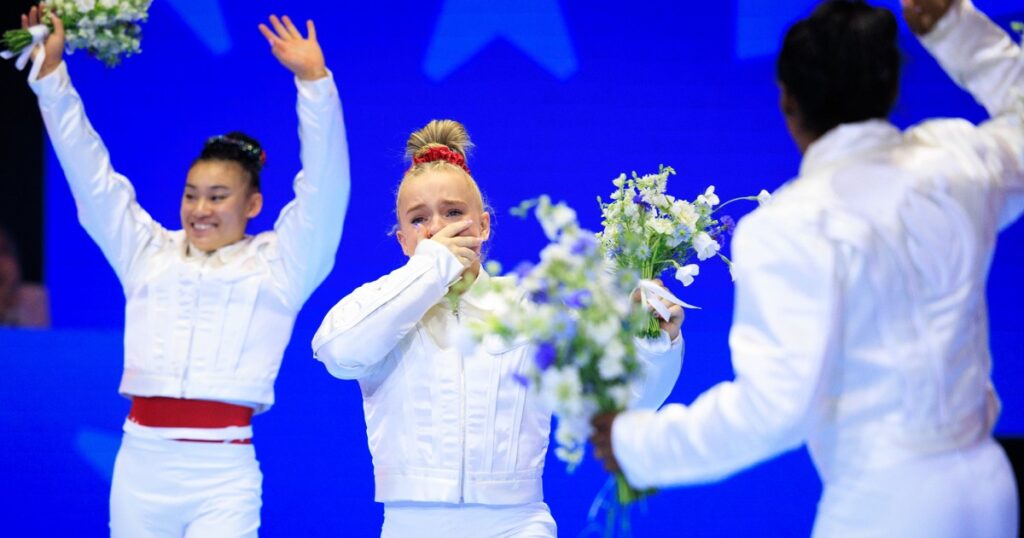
(435, 199)
(217, 204)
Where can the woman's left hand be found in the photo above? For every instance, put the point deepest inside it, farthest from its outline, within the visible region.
(673, 325)
(300, 55)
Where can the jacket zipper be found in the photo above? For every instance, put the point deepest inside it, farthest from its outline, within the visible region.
(462, 413)
(191, 334)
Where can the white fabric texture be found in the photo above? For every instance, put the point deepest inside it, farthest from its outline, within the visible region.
(207, 327)
(173, 489)
(860, 321)
(438, 520)
(446, 425)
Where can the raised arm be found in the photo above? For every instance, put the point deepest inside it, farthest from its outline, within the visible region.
(309, 228)
(106, 203)
(986, 62)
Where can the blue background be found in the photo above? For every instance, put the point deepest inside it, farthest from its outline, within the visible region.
(559, 97)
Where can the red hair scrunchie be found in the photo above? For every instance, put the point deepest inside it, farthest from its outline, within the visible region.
(441, 153)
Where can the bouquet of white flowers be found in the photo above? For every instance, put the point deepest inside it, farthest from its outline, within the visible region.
(577, 315)
(648, 231)
(107, 29)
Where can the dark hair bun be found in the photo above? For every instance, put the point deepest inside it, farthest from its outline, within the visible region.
(237, 147)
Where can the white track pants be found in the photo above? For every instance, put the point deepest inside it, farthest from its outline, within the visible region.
(436, 520)
(164, 488)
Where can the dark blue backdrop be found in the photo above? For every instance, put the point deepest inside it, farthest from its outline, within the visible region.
(560, 96)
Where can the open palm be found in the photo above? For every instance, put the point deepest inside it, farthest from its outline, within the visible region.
(300, 55)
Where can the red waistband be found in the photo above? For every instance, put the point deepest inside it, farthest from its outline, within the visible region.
(161, 412)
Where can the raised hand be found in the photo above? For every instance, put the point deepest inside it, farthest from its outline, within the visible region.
(922, 15)
(300, 55)
(465, 248)
(54, 44)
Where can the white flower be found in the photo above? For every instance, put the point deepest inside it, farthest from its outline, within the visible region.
(686, 273)
(705, 246)
(85, 5)
(685, 213)
(611, 366)
(763, 197)
(709, 197)
(562, 391)
(621, 395)
(603, 332)
(661, 226)
(108, 4)
(555, 219)
(619, 181)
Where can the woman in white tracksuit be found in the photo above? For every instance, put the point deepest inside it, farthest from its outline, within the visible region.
(458, 444)
(209, 308)
(861, 325)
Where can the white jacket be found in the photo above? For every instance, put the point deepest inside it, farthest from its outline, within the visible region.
(207, 327)
(860, 324)
(443, 427)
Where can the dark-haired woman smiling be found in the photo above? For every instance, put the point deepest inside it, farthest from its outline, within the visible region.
(209, 308)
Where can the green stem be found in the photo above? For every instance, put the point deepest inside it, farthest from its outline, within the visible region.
(720, 206)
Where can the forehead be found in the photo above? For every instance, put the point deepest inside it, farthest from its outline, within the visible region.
(435, 186)
(209, 174)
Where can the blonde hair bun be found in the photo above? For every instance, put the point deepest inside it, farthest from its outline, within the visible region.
(445, 133)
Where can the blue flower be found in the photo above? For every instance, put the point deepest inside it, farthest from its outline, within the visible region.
(578, 299)
(728, 225)
(584, 245)
(639, 200)
(521, 379)
(565, 327)
(522, 270)
(545, 355)
(540, 295)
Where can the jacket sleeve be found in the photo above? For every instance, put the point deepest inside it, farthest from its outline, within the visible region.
(982, 59)
(105, 200)
(782, 342)
(662, 361)
(360, 331)
(309, 227)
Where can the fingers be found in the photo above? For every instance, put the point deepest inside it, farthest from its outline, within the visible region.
(311, 30)
(24, 22)
(33, 16)
(466, 256)
(295, 34)
(282, 32)
(271, 38)
(58, 25)
(467, 241)
(453, 229)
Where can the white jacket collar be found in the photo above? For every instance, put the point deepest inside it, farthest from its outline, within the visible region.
(848, 142)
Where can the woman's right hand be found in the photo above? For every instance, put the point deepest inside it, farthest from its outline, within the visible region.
(922, 15)
(465, 248)
(54, 44)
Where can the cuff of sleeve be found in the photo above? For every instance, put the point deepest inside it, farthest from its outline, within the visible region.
(50, 86)
(628, 447)
(448, 266)
(947, 24)
(659, 345)
(317, 90)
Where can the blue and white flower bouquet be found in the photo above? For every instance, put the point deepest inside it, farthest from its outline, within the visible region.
(578, 316)
(648, 231)
(109, 30)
